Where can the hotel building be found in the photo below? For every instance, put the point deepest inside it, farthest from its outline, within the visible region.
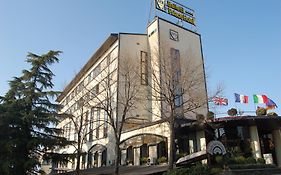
(146, 133)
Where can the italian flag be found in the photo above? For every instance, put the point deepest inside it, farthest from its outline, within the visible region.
(260, 99)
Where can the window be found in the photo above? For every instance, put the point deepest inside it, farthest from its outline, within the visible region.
(114, 54)
(98, 123)
(105, 126)
(87, 123)
(144, 73)
(144, 151)
(97, 88)
(94, 92)
(178, 97)
(67, 130)
(176, 77)
(96, 71)
(91, 125)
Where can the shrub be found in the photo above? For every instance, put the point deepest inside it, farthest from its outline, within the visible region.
(260, 161)
(180, 171)
(179, 155)
(240, 160)
(251, 160)
(198, 169)
(232, 112)
(143, 160)
(272, 114)
(261, 111)
(210, 115)
(251, 166)
(219, 159)
(215, 171)
(162, 159)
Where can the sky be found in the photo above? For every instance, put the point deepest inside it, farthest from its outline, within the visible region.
(241, 39)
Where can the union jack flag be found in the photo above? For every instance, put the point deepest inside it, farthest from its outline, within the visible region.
(220, 101)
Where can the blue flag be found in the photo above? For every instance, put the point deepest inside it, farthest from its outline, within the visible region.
(270, 104)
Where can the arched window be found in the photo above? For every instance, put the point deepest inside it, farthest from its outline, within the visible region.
(144, 151)
(130, 155)
(161, 149)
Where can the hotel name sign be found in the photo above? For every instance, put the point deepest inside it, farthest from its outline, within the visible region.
(177, 10)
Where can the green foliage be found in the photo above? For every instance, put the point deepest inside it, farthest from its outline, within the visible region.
(198, 169)
(219, 159)
(232, 112)
(179, 155)
(250, 160)
(210, 115)
(272, 114)
(180, 171)
(261, 111)
(143, 160)
(162, 159)
(27, 117)
(215, 171)
(260, 161)
(251, 166)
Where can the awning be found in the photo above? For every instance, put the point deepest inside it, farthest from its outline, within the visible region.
(194, 157)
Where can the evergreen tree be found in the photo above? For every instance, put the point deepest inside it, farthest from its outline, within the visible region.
(28, 117)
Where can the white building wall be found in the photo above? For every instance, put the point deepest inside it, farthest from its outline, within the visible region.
(128, 49)
(131, 46)
(191, 59)
(153, 47)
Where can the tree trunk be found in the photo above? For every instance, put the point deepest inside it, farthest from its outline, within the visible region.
(117, 158)
(78, 156)
(78, 162)
(172, 144)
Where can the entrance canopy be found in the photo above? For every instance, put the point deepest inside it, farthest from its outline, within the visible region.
(97, 147)
(140, 139)
(200, 155)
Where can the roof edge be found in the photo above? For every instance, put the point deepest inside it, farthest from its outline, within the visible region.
(94, 58)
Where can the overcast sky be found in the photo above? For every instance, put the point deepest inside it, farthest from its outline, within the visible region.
(241, 39)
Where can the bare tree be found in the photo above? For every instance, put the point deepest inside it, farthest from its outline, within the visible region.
(118, 100)
(82, 125)
(178, 89)
(115, 94)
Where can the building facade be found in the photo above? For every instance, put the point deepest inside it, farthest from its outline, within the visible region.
(166, 60)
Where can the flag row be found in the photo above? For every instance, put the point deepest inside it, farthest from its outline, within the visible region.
(239, 98)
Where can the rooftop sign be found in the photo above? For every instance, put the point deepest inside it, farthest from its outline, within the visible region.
(177, 10)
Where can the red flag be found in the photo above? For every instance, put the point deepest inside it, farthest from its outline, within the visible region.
(220, 101)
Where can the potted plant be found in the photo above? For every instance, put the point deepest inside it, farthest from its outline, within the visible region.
(129, 162)
(272, 114)
(232, 112)
(162, 160)
(143, 160)
(210, 115)
(261, 112)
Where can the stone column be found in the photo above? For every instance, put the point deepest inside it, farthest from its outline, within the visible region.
(255, 142)
(152, 154)
(191, 146)
(123, 157)
(137, 156)
(99, 159)
(201, 143)
(277, 143)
